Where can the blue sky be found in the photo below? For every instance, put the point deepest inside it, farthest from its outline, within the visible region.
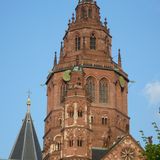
(30, 33)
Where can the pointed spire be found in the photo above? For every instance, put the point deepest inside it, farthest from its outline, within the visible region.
(73, 18)
(119, 58)
(105, 22)
(55, 59)
(27, 146)
(61, 51)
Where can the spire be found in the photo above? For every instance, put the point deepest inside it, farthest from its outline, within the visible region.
(119, 58)
(105, 22)
(61, 51)
(55, 59)
(73, 18)
(27, 146)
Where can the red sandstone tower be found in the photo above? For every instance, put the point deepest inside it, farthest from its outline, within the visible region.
(87, 91)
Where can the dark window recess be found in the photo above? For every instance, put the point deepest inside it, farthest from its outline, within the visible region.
(60, 122)
(70, 143)
(93, 42)
(90, 13)
(91, 119)
(83, 42)
(91, 88)
(63, 92)
(79, 143)
(71, 114)
(58, 146)
(103, 91)
(84, 13)
(77, 43)
(80, 113)
(104, 121)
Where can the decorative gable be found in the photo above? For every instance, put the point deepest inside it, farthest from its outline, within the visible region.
(125, 149)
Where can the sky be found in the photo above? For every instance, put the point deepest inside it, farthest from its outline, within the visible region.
(32, 30)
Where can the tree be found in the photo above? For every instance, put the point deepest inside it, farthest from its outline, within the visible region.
(152, 151)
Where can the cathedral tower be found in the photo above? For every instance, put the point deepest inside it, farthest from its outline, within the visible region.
(86, 91)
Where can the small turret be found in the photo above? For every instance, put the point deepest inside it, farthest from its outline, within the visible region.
(119, 58)
(61, 52)
(55, 59)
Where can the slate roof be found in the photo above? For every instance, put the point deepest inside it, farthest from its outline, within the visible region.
(98, 153)
(27, 146)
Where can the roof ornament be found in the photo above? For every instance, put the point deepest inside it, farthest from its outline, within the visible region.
(73, 18)
(28, 101)
(105, 22)
(55, 59)
(61, 52)
(69, 22)
(119, 58)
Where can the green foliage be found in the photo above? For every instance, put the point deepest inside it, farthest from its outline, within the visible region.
(152, 151)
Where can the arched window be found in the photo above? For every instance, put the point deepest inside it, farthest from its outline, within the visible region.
(60, 122)
(91, 119)
(83, 12)
(70, 143)
(80, 113)
(91, 88)
(90, 13)
(103, 91)
(104, 121)
(77, 43)
(93, 42)
(71, 113)
(79, 142)
(63, 92)
(58, 146)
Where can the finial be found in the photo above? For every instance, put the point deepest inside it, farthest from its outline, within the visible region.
(69, 22)
(61, 52)
(55, 59)
(105, 22)
(119, 58)
(28, 101)
(73, 17)
(109, 30)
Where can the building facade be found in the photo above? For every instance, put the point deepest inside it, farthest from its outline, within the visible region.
(87, 108)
